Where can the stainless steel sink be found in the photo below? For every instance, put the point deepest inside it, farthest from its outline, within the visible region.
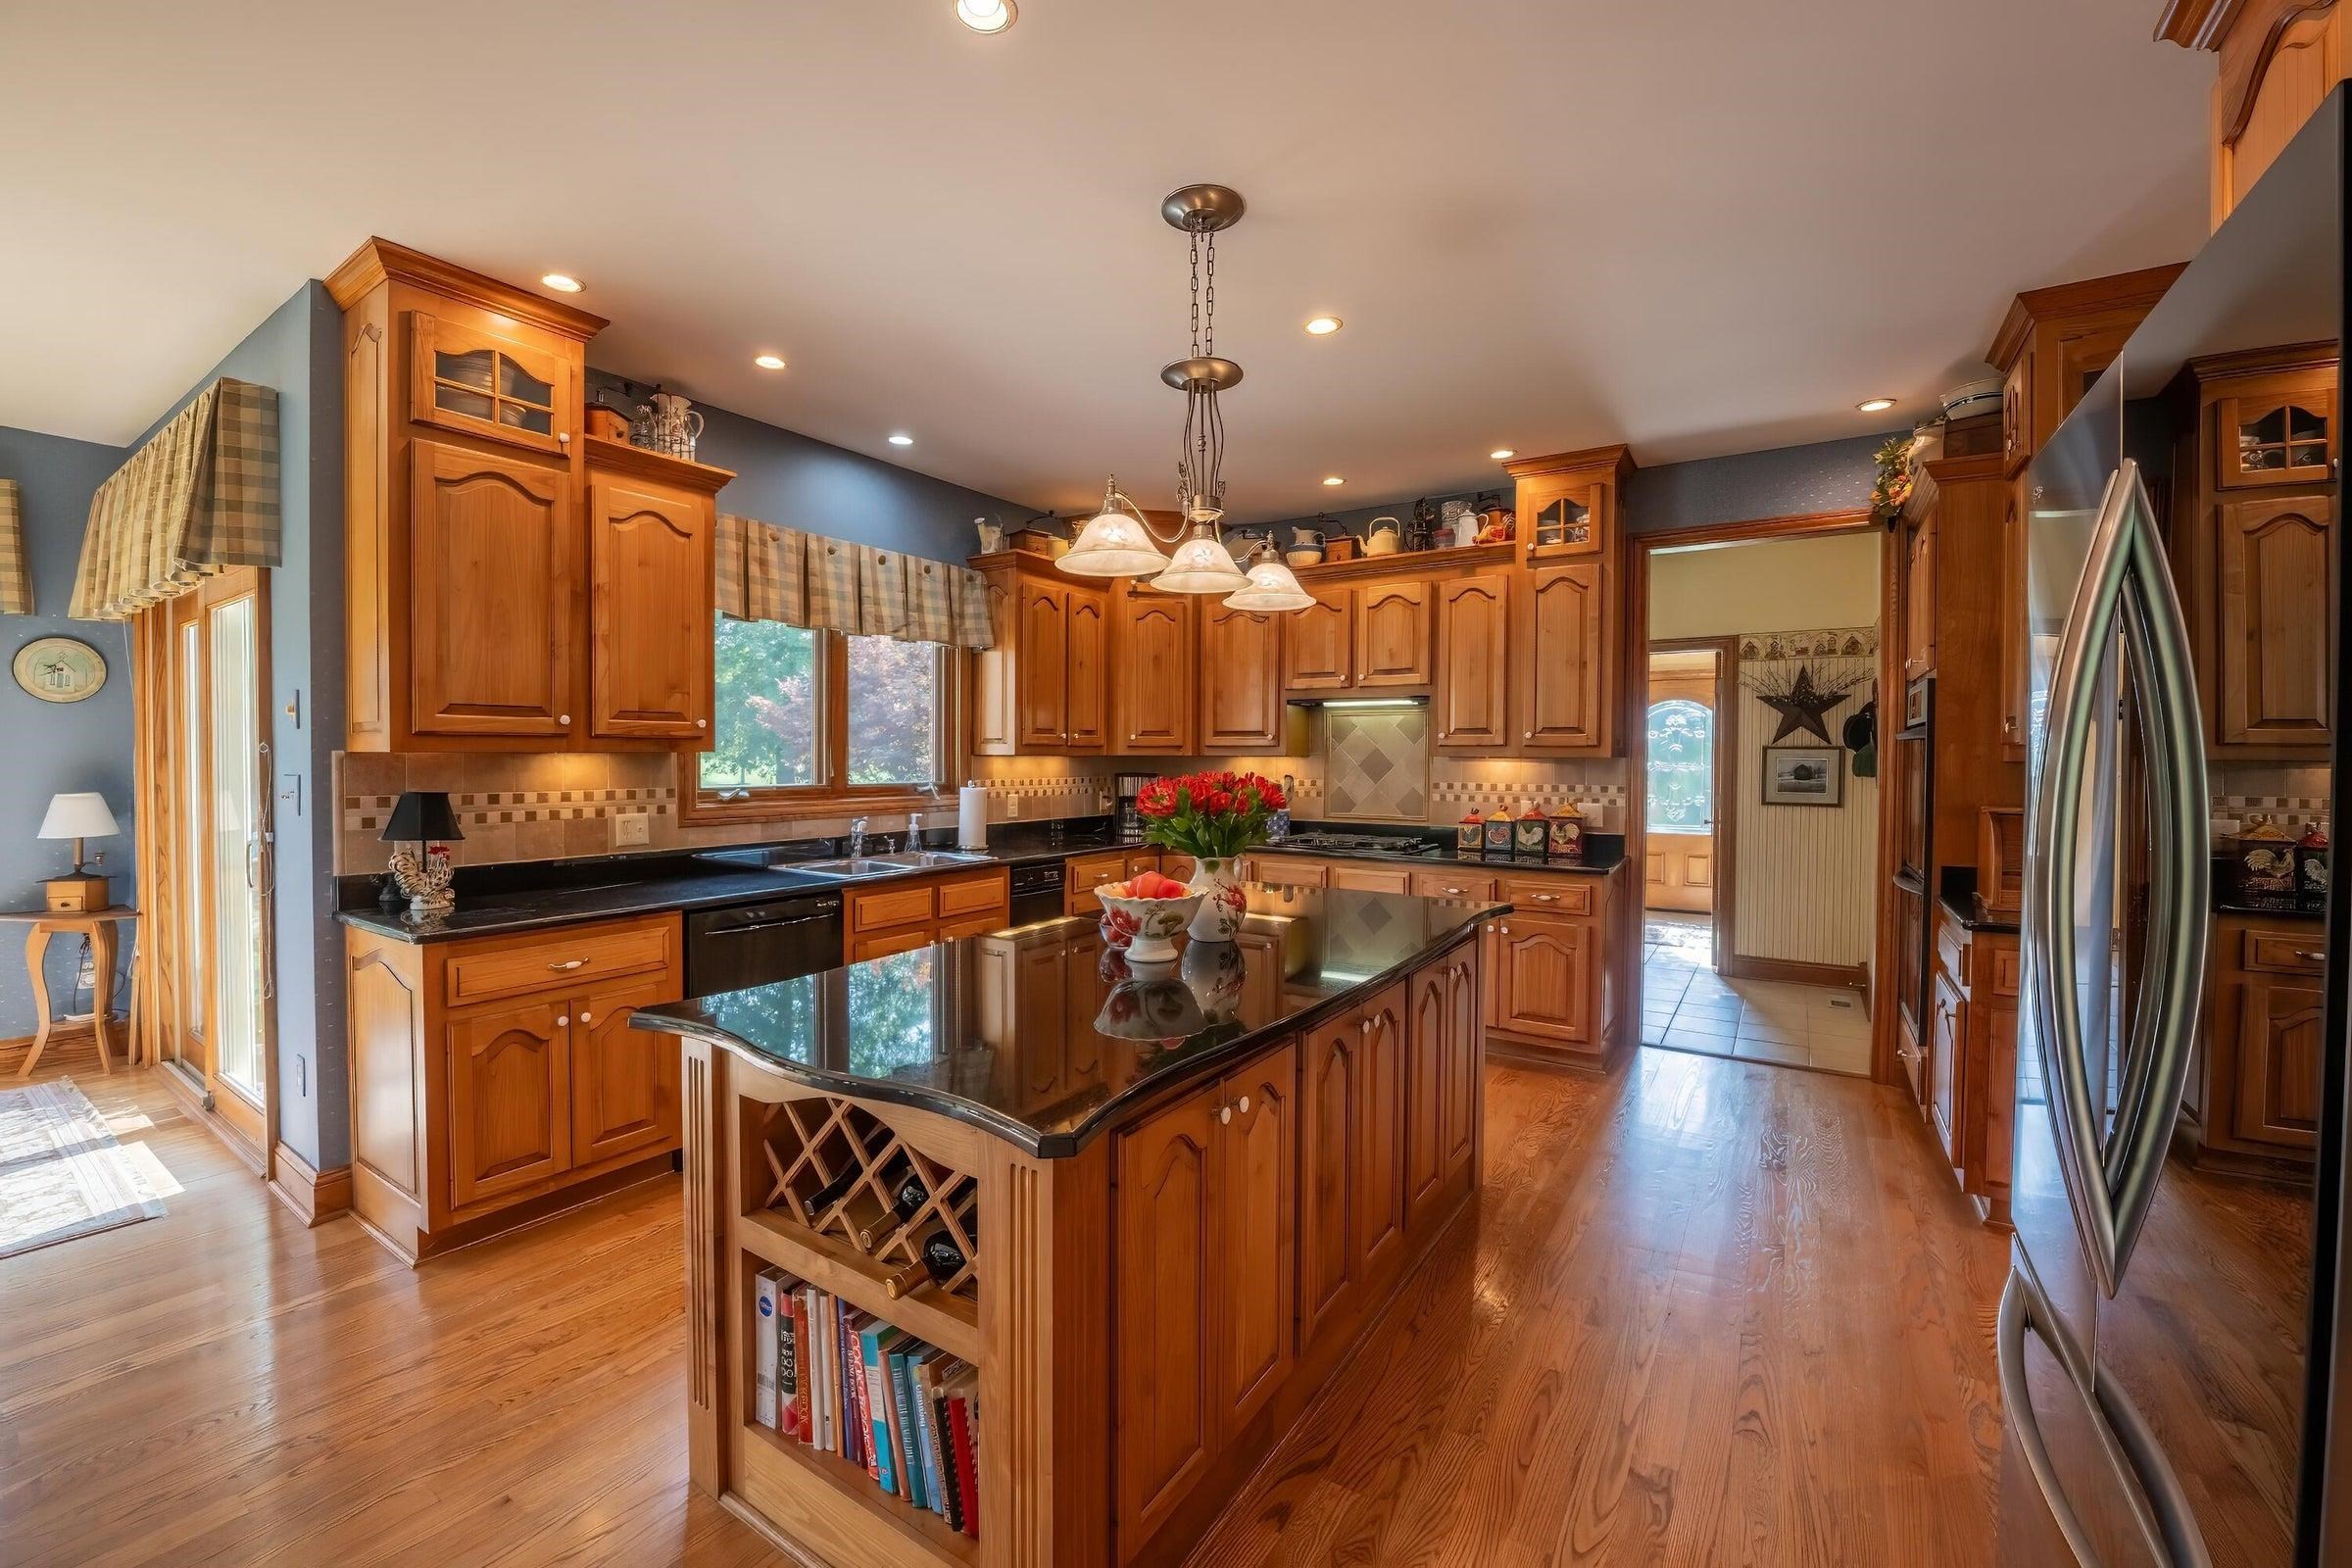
(884, 864)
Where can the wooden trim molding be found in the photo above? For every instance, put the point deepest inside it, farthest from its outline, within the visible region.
(2232, 124)
(378, 260)
(317, 1196)
(2197, 24)
(2137, 290)
(1852, 977)
(1851, 519)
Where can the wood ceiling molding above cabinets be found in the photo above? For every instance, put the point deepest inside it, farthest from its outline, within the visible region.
(511, 583)
(2280, 58)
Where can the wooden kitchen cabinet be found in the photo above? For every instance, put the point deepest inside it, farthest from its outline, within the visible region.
(501, 590)
(903, 913)
(1256, 1229)
(2277, 61)
(1966, 1059)
(1157, 669)
(651, 619)
(1331, 1067)
(1369, 878)
(495, 1079)
(1392, 641)
(1469, 705)
(1561, 661)
(1549, 984)
(1081, 874)
(1041, 681)
(1378, 1191)
(1241, 683)
(1318, 646)
(1043, 689)
(2281, 1062)
(2256, 1088)
(2275, 666)
(1947, 1039)
(1088, 685)
(1919, 603)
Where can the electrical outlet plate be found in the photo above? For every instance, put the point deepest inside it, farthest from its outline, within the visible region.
(1012, 806)
(629, 827)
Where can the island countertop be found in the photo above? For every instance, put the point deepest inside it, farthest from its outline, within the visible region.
(967, 1028)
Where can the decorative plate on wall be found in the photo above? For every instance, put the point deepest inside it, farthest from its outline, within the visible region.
(60, 669)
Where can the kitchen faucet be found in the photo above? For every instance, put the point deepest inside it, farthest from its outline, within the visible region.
(857, 837)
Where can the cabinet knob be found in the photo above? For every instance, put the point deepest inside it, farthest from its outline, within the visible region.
(1224, 1114)
(563, 719)
(586, 1016)
(702, 723)
(1507, 930)
(1244, 1105)
(561, 1019)
(563, 438)
(1453, 890)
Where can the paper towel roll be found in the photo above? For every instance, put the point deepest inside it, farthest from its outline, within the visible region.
(972, 817)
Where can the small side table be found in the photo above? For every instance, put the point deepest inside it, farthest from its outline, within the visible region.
(102, 927)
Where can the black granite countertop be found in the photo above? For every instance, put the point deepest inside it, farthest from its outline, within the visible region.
(1603, 853)
(1050, 1049)
(2238, 904)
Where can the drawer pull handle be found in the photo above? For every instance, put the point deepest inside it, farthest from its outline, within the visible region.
(1453, 890)
(1547, 897)
(2311, 957)
(568, 964)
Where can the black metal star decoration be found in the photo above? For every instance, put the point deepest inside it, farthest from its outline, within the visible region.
(1802, 706)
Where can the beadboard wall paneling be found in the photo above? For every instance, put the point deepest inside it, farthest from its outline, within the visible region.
(1805, 872)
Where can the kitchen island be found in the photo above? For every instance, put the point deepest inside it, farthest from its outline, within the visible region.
(1146, 1213)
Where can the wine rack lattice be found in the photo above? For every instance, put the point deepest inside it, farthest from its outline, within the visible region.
(811, 1145)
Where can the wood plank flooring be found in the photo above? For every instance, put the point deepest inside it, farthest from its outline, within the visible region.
(1713, 1312)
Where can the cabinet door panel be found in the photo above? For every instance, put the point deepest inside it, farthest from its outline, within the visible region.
(2281, 1058)
(1546, 978)
(1427, 1054)
(1258, 1222)
(649, 611)
(1948, 1041)
(624, 1081)
(1370, 879)
(510, 1122)
(1041, 674)
(1561, 660)
(1392, 634)
(1473, 657)
(1164, 1241)
(1380, 1137)
(995, 699)
(1465, 1060)
(1157, 668)
(1327, 1159)
(492, 575)
(1919, 604)
(1241, 681)
(1319, 644)
(2276, 660)
(1089, 669)
(492, 387)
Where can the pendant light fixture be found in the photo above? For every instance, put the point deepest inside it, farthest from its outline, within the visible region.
(1201, 565)
(1270, 585)
(1114, 543)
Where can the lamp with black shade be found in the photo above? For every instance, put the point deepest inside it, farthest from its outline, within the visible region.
(423, 824)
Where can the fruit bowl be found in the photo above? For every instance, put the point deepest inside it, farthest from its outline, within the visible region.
(1143, 915)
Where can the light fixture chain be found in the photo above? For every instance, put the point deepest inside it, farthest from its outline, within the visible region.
(1196, 293)
(1210, 295)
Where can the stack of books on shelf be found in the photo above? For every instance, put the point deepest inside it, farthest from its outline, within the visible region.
(846, 1382)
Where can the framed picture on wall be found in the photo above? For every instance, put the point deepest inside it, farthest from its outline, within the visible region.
(1804, 775)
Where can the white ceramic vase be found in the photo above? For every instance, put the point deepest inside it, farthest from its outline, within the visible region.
(1220, 914)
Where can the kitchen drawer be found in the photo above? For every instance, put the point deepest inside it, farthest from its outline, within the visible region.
(2004, 972)
(960, 896)
(1370, 879)
(560, 960)
(978, 925)
(882, 943)
(1453, 885)
(1086, 872)
(2286, 952)
(1951, 949)
(1290, 871)
(1141, 860)
(890, 906)
(1548, 896)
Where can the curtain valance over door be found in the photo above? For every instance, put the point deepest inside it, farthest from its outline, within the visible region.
(767, 572)
(15, 583)
(200, 496)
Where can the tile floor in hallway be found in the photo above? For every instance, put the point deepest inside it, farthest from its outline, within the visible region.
(1686, 1005)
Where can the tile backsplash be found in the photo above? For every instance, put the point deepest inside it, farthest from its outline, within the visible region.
(2292, 797)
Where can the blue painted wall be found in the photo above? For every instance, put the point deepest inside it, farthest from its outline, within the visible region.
(799, 482)
(1781, 482)
(298, 351)
(58, 746)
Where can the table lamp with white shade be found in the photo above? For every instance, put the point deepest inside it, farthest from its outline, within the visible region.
(77, 816)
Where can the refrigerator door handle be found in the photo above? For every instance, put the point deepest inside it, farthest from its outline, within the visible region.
(2126, 587)
(2017, 1401)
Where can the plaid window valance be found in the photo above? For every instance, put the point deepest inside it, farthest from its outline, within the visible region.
(767, 572)
(16, 584)
(200, 496)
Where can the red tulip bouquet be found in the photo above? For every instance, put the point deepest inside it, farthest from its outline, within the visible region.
(1212, 817)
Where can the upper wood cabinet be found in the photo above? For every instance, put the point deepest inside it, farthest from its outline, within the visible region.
(1470, 706)
(1090, 670)
(2280, 431)
(1318, 648)
(2279, 60)
(1042, 675)
(1919, 602)
(493, 573)
(651, 522)
(1240, 680)
(1044, 688)
(1560, 661)
(1392, 634)
(2273, 675)
(475, 618)
(1156, 669)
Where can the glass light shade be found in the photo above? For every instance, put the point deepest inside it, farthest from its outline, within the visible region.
(1114, 544)
(1270, 587)
(1201, 565)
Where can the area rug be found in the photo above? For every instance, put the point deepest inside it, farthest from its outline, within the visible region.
(61, 1173)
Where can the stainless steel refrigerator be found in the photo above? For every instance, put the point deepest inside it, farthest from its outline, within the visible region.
(2171, 1340)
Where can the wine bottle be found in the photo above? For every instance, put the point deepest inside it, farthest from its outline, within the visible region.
(939, 1259)
(814, 1206)
(910, 1198)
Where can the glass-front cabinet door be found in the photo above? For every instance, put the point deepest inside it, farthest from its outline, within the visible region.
(2280, 433)
(499, 388)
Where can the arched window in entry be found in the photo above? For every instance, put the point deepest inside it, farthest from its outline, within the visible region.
(1682, 766)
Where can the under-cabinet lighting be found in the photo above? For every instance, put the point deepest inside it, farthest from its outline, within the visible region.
(1374, 702)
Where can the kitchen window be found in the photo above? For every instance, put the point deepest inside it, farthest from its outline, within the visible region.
(820, 723)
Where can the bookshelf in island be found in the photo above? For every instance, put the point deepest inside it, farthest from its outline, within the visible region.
(1005, 1254)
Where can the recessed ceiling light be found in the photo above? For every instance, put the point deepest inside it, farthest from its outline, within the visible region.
(900, 439)
(768, 362)
(1500, 453)
(562, 283)
(1875, 405)
(1332, 478)
(1324, 325)
(985, 15)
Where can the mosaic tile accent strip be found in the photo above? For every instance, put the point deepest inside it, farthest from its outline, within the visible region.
(368, 813)
(2295, 812)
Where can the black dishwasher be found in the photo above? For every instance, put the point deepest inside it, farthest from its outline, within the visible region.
(1036, 893)
(746, 945)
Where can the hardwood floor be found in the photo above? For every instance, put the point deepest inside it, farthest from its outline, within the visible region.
(1713, 1312)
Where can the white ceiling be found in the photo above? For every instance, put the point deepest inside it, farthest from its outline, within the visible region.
(1702, 228)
